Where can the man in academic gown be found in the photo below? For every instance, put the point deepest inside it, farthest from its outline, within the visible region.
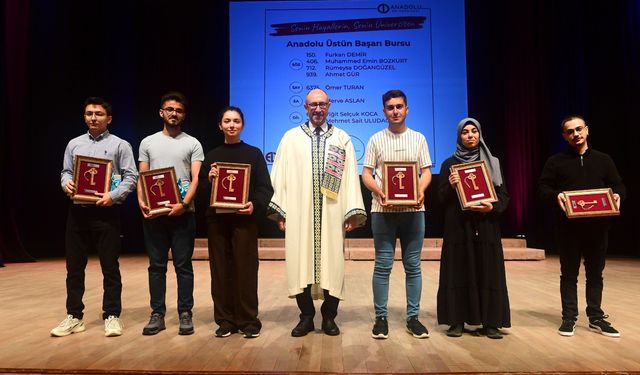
(317, 198)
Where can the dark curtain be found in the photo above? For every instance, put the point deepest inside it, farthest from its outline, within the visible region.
(13, 177)
(129, 52)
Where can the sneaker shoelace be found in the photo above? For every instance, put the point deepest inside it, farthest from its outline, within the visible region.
(601, 319)
(67, 321)
(112, 321)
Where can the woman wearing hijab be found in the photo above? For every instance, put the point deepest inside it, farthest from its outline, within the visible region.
(473, 287)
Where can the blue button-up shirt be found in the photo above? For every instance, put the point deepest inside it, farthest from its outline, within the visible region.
(104, 146)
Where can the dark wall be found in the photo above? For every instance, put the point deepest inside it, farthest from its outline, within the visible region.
(529, 64)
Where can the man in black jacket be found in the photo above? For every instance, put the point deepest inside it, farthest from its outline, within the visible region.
(577, 168)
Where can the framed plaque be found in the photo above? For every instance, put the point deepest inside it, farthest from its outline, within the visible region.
(231, 188)
(400, 183)
(160, 188)
(475, 184)
(590, 203)
(91, 175)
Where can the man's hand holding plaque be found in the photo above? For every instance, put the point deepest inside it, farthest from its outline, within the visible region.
(91, 180)
(160, 191)
(400, 183)
(589, 203)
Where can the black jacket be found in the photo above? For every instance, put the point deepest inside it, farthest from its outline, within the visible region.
(569, 170)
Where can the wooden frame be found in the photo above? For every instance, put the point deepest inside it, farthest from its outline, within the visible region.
(590, 203)
(160, 189)
(91, 175)
(475, 184)
(400, 183)
(225, 191)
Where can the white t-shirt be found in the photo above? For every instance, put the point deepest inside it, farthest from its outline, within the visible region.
(385, 145)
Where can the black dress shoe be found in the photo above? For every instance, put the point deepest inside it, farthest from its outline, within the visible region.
(491, 332)
(305, 325)
(330, 327)
(455, 330)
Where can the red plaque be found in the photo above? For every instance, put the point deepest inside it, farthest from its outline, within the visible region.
(400, 183)
(160, 189)
(475, 184)
(231, 188)
(91, 175)
(590, 203)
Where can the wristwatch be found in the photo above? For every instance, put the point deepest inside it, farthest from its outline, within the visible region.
(185, 205)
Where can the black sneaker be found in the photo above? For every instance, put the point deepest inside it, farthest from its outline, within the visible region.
(567, 328)
(186, 323)
(155, 325)
(600, 325)
(416, 328)
(380, 328)
(225, 331)
(250, 332)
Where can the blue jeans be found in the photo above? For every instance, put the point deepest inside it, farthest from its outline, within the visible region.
(386, 227)
(177, 233)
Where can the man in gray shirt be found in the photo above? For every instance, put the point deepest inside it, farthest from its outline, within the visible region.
(96, 225)
(171, 147)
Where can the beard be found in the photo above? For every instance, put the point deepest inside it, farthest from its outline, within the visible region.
(172, 123)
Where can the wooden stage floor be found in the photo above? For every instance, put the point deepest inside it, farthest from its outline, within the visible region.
(32, 298)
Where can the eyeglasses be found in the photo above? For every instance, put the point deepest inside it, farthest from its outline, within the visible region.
(178, 111)
(391, 107)
(321, 105)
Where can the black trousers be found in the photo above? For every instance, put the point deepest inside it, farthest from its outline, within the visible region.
(329, 308)
(233, 260)
(93, 228)
(577, 240)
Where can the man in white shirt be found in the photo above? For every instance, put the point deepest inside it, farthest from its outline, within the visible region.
(396, 143)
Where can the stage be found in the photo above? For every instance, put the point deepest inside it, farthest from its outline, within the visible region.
(32, 298)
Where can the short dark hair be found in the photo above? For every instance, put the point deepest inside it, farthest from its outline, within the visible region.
(569, 118)
(230, 108)
(174, 95)
(394, 94)
(96, 100)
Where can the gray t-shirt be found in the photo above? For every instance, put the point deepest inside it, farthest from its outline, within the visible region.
(162, 151)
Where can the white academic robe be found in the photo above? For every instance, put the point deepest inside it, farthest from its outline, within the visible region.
(293, 183)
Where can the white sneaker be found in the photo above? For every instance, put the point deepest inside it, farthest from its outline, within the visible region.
(68, 326)
(113, 326)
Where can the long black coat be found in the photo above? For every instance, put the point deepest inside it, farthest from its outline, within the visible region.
(473, 287)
